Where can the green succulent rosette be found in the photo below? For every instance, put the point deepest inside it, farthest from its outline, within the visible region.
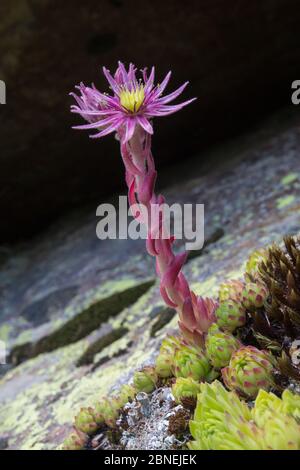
(222, 421)
(220, 346)
(185, 388)
(231, 290)
(85, 421)
(249, 370)
(164, 364)
(193, 363)
(145, 379)
(254, 296)
(107, 411)
(253, 263)
(76, 440)
(230, 315)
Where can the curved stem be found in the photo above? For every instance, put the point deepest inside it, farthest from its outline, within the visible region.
(140, 178)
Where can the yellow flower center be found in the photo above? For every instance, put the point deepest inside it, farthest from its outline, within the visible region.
(132, 100)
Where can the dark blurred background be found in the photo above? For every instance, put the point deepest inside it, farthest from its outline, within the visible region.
(240, 56)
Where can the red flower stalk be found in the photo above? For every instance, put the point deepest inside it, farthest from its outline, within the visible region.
(129, 113)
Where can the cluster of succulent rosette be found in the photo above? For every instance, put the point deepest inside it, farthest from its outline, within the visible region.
(222, 418)
(231, 350)
(103, 414)
(222, 421)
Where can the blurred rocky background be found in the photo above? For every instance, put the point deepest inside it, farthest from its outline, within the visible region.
(239, 56)
(79, 315)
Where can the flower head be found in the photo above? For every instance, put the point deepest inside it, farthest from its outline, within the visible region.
(133, 102)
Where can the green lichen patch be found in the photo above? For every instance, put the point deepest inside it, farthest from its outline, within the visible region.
(289, 179)
(82, 324)
(285, 201)
(102, 343)
(118, 348)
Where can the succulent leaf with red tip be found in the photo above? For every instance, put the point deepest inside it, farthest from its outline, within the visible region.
(230, 315)
(254, 295)
(192, 362)
(85, 421)
(220, 346)
(195, 318)
(164, 364)
(76, 440)
(145, 379)
(254, 260)
(231, 290)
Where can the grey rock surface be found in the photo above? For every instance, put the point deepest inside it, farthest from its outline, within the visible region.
(253, 198)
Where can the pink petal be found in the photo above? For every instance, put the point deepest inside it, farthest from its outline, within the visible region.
(150, 80)
(166, 110)
(130, 127)
(102, 112)
(172, 96)
(145, 124)
(160, 88)
(123, 72)
(131, 74)
(112, 101)
(113, 84)
(107, 131)
(95, 125)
